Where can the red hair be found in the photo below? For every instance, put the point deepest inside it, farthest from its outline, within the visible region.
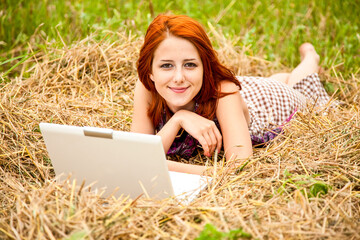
(214, 72)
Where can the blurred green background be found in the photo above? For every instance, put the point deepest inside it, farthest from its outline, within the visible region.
(272, 30)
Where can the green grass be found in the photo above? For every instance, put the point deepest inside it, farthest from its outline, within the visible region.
(211, 233)
(271, 29)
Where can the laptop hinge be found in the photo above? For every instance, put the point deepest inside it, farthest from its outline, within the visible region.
(98, 132)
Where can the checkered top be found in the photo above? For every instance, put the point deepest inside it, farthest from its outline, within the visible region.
(271, 102)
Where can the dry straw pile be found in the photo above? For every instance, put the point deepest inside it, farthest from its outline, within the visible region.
(304, 185)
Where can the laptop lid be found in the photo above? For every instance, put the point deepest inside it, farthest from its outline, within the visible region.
(131, 162)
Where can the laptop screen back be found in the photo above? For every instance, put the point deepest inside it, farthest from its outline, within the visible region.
(130, 162)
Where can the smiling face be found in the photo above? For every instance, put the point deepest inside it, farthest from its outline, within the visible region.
(177, 72)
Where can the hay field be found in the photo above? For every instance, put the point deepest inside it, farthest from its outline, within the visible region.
(304, 185)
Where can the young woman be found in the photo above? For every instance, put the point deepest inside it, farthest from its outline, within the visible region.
(185, 95)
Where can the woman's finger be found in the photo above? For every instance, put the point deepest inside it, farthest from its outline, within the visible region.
(204, 144)
(209, 143)
(218, 138)
(213, 140)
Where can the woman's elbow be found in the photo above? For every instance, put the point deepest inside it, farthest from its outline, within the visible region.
(239, 153)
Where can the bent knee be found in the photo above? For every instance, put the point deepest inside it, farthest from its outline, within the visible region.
(281, 77)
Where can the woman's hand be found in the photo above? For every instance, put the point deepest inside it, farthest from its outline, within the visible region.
(202, 129)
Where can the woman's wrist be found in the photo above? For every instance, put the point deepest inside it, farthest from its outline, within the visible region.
(181, 115)
(176, 121)
(178, 117)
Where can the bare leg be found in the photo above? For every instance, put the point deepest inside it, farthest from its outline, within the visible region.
(282, 77)
(309, 64)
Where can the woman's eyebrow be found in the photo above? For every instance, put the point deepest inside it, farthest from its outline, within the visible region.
(185, 60)
(189, 59)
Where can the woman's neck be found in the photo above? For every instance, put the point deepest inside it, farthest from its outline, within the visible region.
(189, 107)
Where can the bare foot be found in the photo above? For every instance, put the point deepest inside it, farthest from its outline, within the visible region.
(308, 50)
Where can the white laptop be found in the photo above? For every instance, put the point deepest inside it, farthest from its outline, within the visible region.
(133, 164)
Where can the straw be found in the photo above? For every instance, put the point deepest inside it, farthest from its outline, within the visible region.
(305, 184)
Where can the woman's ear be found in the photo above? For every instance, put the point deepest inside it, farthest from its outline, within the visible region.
(151, 77)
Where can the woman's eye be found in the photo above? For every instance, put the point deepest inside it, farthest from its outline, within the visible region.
(190, 65)
(166, 65)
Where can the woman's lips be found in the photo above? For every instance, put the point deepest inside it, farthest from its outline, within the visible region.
(178, 89)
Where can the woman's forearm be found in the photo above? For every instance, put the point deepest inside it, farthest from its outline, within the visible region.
(169, 132)
(185, 168)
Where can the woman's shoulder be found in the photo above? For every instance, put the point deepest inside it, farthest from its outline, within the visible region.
(228, 86)
(141, 91)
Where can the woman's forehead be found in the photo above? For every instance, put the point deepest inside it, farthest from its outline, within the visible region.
(176, 47)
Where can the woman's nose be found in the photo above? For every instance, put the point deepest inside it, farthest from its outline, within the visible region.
(178, 76)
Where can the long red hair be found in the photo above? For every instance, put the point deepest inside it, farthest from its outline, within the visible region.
(214, 72)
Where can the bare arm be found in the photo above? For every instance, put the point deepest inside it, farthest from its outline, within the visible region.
(233, 119)
(141, 123)
(186, 168)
